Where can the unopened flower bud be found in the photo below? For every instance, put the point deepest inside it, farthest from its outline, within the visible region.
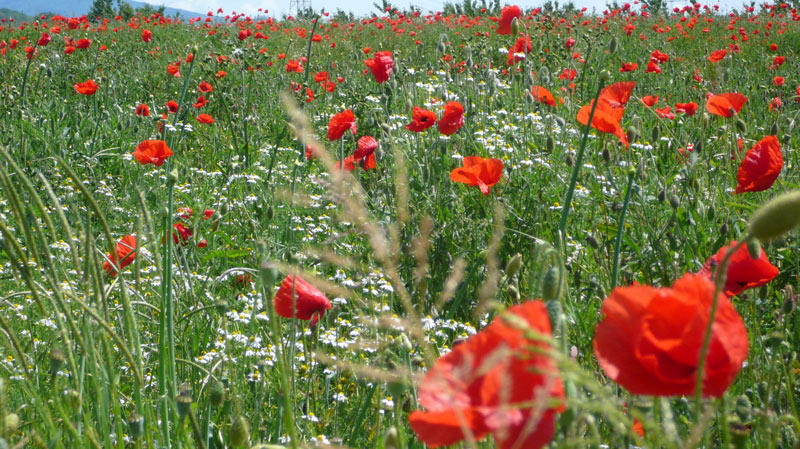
(741, 125)
(515, 26)
(612, 45)
(777, 217)
(674, 201)
(551, 284)
(135, 425)
(754, 248)
(56, 361)
(513, 265)
(240, 432)
(391, 441)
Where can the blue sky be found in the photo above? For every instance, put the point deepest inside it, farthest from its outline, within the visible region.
(362, 7)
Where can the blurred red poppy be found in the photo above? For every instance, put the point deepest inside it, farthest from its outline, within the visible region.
(521, 48)
(152, 152)
(340, 123)
(609, 111)
(142, 110)
(452, 118)
(147, 35)
(507, 15)
(205, 87)
(296, 298)
(717, 55)
(181, 234)
(543, 95)
(421, 119)
(86, 88)
(498, 381)
(725, 105)
(778, 81)
(123, 255)
(686, 108)
(381, 65)
(205, 118)
(44, 40)
(761, 166)
(650, 338)
(366, 151)
(477, 171)
(172, 106)
(628, 67)
(744, 272)
(650, 100)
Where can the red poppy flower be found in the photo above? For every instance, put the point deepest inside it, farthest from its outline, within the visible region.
(744, 272)
(152, 152)
(717, 55)
(652, 67)
(452, 118)
(507, 14)
(491, 383)
(686, 108)
(665, 112)
(381, 66)
(776, 103)
(142, 110)
(172, 106)
(650, 100)
(320, 77)
(174, 70)
(147, 35)
(628, 67)
(86, 88)
(725, 105)
(480, 172)
(543, 95)
(777, 62)
(761, 166)
(650, 338)
(83, 44)
(366, 147)
(609, 111)
(123, 255)
(201, 101)
(205, 87)
(421, 119)
(181, 234)
(340, 123)
(568, 74)
(521, 47)
(205, 118)
(44, 40)
(296, 298)
(659, 57)
(570, 43)
(778, 81)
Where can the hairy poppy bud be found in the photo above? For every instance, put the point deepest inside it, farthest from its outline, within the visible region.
(569, 161)
(656, 134)
(516, 25)
(592, 241)
(56, 361)
(606, 155)
(184, 404)
(544, 75)
(741, 125)
(513, 265)
(605, 76)
(551, 284)
(754, 248)
(774, 129)
(216, 394)
(662, 196)
(674, 201)
(698, 147)
(776, 218)
(240, 432)
(173, 176)
(269, 274)
(513, 292)
(560, 122)
(391, 441)
(612, 45)
(10, 423)
(740, 433)
(724, 228)
(549, 144)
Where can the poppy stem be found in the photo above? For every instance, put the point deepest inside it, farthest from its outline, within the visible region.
(562, 224)
(719, 282)
(621, 230)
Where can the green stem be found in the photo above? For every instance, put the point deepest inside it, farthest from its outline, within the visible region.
(562, 224)
(621, 230)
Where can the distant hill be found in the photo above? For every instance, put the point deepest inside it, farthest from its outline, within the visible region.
(6, 13)
(78, 7)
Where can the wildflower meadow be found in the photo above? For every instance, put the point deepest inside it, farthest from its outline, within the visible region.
(493, 226)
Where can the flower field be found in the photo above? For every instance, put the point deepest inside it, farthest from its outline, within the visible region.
(518, 228)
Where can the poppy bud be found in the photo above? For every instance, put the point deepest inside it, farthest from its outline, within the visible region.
(409, 103)
(569, 161)
(173, 176)
(544, 75)
(240, 432)
(513, 265)
(724, 228)
(221, 307)
(184, 404)
(441, 47)
(606, 155)
(135, 425)
(776, 218)
(787, 139)
(405, 342)
(269, 274)
(10, 423)
(551, 284)
(529, 98)
(515, 26)
(674, 201)
(741, 125)
(774, 129)
(216, 394)
(744, 409)
(662, 196)
(391, 440)
(612, 45)
(740, 433)
(73, 398)
(605, 76)
(529, 77)
(710, 212)
(560, 122)
(698, 147)
(656, 134)
(754, 248)
(56, 361)
(549, 144)
(513, 292)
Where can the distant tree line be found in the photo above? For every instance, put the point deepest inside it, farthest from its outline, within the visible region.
(106, 9)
